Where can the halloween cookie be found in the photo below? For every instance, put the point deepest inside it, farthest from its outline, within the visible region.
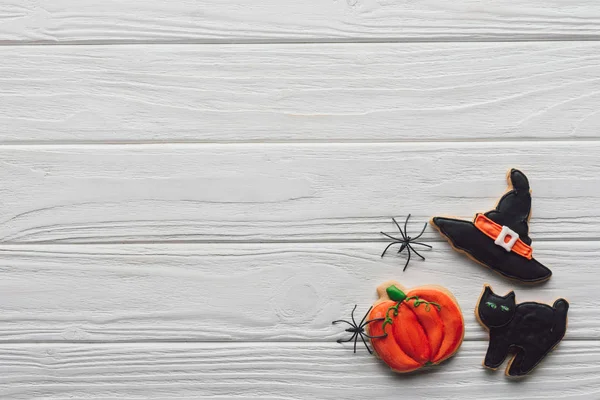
(413, 328)
(530, 329)
(499, 238)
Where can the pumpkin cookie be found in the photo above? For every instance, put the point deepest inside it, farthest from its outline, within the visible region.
(413, 328)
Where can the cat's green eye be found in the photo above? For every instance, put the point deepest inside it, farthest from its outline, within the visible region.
(490, 304)
(504, 308)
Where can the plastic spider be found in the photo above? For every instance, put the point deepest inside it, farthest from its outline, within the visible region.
(359, 329)
(406, 242)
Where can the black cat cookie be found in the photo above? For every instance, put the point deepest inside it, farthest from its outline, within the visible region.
(530, 330)
(499, 239)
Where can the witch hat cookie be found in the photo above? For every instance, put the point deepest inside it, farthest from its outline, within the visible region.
(499, 238)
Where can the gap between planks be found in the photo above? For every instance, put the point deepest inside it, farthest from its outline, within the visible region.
(324, 41)
(124, 143)
(254, 241)
(278, 143)
(223, 342)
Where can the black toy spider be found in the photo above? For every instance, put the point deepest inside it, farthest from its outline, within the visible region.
(406, 242)
(359, 329)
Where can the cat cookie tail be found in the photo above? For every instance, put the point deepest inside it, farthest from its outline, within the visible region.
(518, 180)
(561, 306)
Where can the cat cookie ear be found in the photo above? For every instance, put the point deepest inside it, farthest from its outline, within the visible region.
(510, 295)
(487, 289)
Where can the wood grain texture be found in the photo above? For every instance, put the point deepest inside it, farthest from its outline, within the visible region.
(279, 192)
(183, 217)
(343, 92)
(251, 292)
(278, 371)
(116, 21)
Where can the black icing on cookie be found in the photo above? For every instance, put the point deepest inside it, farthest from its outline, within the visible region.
(531, 330)
(511, 215)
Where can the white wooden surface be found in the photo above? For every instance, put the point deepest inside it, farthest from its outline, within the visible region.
(275, 371)
(249, 292)
(281, 93)
(51, 21)
(191, 191)
(284, 192)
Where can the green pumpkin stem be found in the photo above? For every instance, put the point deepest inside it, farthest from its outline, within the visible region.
(397, 295)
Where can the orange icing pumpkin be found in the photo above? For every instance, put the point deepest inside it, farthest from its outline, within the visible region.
(420, 326)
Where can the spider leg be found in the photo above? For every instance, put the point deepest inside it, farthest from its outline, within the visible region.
(374, 320)
(391, 237)
(388, 246)
(364, 323)
(421, 244)
(405, 223)
(365, 317)
(407, 261)
(349, 340)
(352, 315)
(341, 320)
(363, 340)
(424, 227)
(416, 252)
(400, 229)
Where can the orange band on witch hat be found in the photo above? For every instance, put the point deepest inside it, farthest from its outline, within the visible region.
(499, 233)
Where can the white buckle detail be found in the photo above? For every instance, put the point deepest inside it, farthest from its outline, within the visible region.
(506, 231)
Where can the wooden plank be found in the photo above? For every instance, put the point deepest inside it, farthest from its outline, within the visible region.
(343, 92)
(280, 192)
(255, 292)
(277, 371)
(115, 21)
